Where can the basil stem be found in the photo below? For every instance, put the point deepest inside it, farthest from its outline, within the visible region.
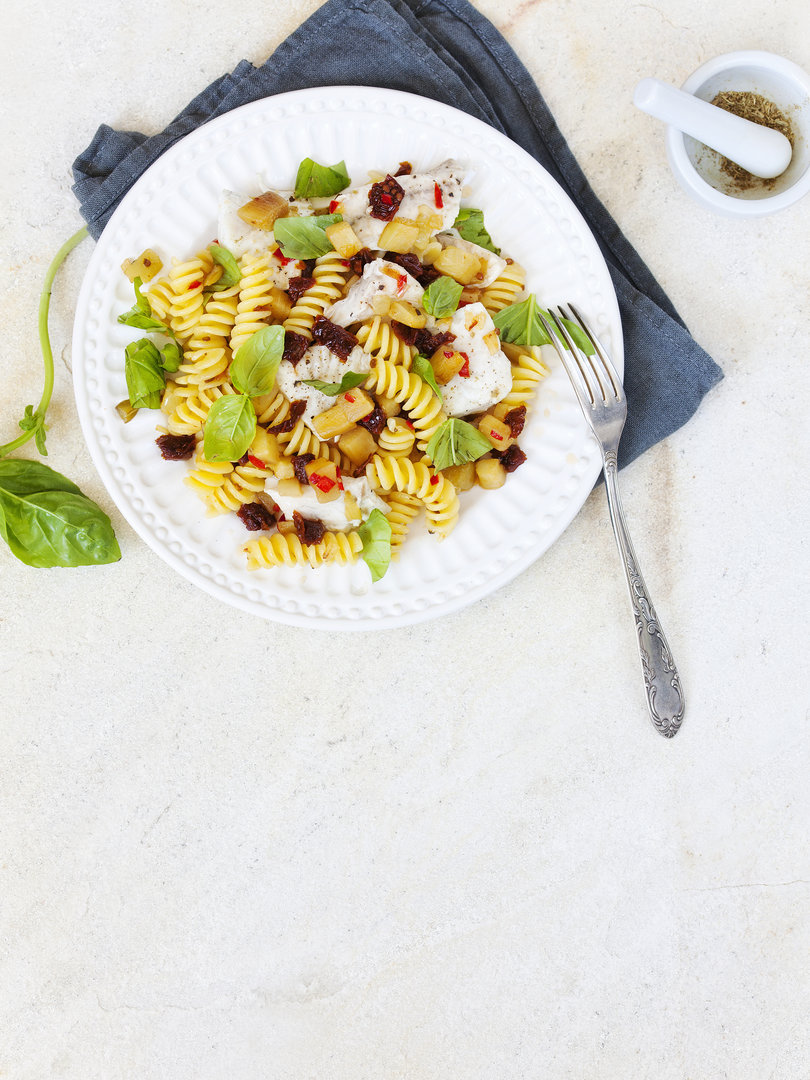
(45, 344)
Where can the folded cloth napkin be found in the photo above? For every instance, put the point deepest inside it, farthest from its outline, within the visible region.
(446, 50)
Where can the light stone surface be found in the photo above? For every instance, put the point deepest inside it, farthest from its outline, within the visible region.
(231, 849)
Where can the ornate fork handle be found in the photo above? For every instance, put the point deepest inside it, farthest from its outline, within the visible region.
(661, 680)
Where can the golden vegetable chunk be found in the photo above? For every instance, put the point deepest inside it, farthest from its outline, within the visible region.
(327, 425)
(343, 239)
(403, 312)
(358, 445)
(284, 469)
(323, 477)
(263, 211)
(351, 508)
(145, 266)
(490, 473)
(462, 477)
(498, 433)
(265, 447)
(446, 364)
(280, 303)
(462, 266)
(355, 404)
(398, 236)
(290, 487)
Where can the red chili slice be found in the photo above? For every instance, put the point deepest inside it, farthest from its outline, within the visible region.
(434, 480)
(333, 205)
(194, 285)
(281, 258)
(464, 371)
(257, 462)
(323, 483)
(495, 435)
(437, 197)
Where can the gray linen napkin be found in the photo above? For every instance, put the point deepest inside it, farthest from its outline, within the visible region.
(446, 50)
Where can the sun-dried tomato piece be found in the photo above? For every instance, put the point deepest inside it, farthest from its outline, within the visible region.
(176, 447)
(423, 274)
(384, 198)
(405, 168)
(516, 418)
(425, 342)
(307, 267)
(308, 530)
(374, 422)
(255, 516)
(300, 462)
(298, 286)
(336, 338)
(511, 458)
(359, 260)
(296, 409)
(295, 345)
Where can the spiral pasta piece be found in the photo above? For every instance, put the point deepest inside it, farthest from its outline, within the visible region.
(207, 355)
(330, 274)
(253, 309)
(303, 441)
(160, 294)
(416, 478)
(240, 486)
(528, 371)
(207, 476)
(397, 437)
(379, 340)
(505, 289)
(412, 393)
(188, 300)
(404, 508)
(187, 407)
(271, 409)
(285, 549)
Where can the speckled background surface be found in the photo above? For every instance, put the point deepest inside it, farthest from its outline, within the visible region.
(229, 848)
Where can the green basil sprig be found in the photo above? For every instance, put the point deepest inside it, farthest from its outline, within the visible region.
(441, 297)
(519, 324)
(315, 181)
(171, 356)
(229, 428)
(304, 237)
(470, 226)
(140, 314)
(424, 369)
(47, 521)
(231, 274)
(348, 382)
(255, 363)
(455, 442)
(144, 374)
(375, 532)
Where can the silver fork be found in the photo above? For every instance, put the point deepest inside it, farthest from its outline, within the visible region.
(604, 403)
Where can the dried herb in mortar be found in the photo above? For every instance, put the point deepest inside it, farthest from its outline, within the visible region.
(759, 110)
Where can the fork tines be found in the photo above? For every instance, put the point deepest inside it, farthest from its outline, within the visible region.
(596, 380)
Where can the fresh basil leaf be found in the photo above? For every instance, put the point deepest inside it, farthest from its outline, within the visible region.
(32, 421)
(348, 382)
(470, 226)
(46, 520)
(229, 428)
(144, 374)
(255, 363)
(231, 274)
(375, 532)
(424, 369)
(441, 297)
(140, 314)
(315, 181)
(304, 237)
(519, 324)
(171, 356)
(455, 442)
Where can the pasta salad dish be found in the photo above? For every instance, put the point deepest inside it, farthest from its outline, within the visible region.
(341, 359)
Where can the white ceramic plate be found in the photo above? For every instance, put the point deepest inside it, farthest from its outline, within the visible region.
(173, 208)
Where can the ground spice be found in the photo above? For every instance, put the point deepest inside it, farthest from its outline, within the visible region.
(759, 110)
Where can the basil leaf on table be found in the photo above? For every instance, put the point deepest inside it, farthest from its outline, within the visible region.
(140, 314)
(47, 521)
(231, 274)
(375, 532)
(255, 363)
(316, 181)
(455, 442)
(144, 374)
(441, 297)
(229, 428)
(304, 237)
(519, 324)
(470, 226)
(424, 369)
(348, 382)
